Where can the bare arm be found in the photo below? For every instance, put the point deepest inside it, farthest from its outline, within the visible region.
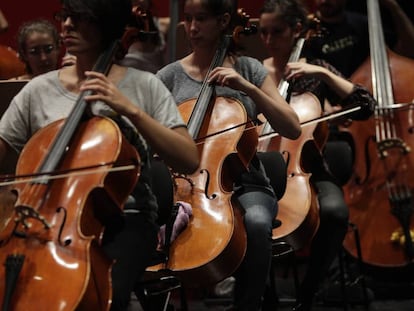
(277, 111)
(174, 146)
(336, 83)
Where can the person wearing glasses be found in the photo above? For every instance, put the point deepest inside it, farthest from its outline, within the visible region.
(137, 101)
(39, 47)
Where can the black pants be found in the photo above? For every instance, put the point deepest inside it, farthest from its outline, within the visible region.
(132, 247)
(260, 210)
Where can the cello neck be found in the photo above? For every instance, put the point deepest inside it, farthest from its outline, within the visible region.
(283, 86)
(207, 90)
(381, 78)
(294, 57)
(205, 96)
(380, 73)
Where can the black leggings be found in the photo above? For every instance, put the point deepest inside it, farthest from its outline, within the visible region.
(132, 247)
(260, 210)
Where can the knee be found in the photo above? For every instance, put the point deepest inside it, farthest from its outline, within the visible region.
(336, 214)
(332, 207)
(258, 222)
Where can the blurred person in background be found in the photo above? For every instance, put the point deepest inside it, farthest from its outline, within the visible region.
(38, 44)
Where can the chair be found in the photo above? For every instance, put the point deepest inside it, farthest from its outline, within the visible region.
(155, 294)
(161, 287)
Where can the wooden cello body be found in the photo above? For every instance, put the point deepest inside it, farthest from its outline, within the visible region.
(380, 191)
(298, 207)
(213, 245)
(10, 64)
(50, 247)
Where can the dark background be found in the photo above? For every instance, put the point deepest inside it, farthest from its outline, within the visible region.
(18, 12)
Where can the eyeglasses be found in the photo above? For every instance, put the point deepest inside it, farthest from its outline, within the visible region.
(75, 17)
(37, 50)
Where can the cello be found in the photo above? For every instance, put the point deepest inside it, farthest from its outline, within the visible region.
(298, 207)
(213, 244)
(380, 190)
(79, 172)
(10, 64)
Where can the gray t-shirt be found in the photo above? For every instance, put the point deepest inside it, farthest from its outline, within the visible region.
(184, 87)
(44, 100)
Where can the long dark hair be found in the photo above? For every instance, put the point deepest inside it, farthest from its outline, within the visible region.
(291, 11)
(221, 7)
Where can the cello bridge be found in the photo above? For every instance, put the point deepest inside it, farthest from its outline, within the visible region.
(386, 144)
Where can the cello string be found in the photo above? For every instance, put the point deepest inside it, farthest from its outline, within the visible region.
(70, 173)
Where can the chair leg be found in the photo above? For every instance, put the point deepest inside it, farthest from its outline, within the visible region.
(164, 286)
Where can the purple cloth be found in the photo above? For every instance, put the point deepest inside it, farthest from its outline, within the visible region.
(185, 211)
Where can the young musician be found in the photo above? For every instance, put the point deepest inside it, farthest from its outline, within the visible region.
(143, 108)
(243, 78)
(38, 43)
(282, 22)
